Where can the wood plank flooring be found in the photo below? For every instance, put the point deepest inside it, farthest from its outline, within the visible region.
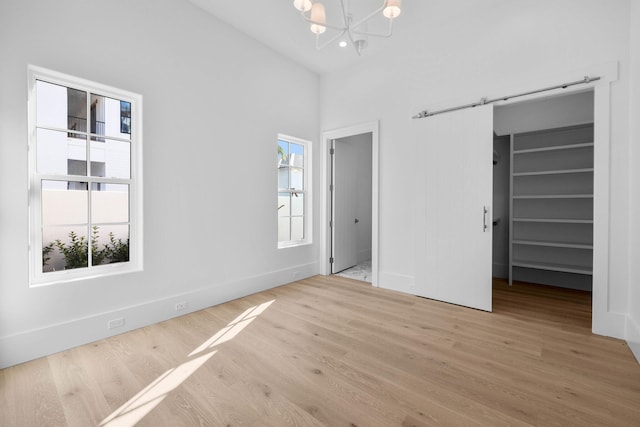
(331, 351)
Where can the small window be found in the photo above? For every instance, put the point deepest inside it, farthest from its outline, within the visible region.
(85, 178)
(294, 219)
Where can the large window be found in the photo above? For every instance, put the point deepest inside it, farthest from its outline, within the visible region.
(294, 219)
(85, 178)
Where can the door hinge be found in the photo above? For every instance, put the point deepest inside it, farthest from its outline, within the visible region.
(331, 260)
(332, 151)
(330, 224)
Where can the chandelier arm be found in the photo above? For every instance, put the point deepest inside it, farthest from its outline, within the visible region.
(310, 21)
(328, 42)
(368, 17)
(385, 35)
(345, 14)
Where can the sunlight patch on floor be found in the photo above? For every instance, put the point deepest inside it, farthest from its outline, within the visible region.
(151, 396)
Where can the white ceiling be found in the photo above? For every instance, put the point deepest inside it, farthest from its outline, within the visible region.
(278, 25)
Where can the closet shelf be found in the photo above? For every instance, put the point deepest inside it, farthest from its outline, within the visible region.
(555, 196)
(555, 220)
(552, 244)
(553, 148)
(566, 268)
(553, 172)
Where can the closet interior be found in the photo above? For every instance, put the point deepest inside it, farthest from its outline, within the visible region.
(543, 191)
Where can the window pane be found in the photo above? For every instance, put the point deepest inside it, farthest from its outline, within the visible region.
(283, 153)
(297, 204)
(55, 149)
(50, 98)
(106, 116)
(284, 229)
(109, 203)
(61, 107)
(64, 248)
(112, 158)
(296, 155)
(284, 204)
(109, 244)
(64, 202)
(297, 178)
(297, 228)
(283, 177)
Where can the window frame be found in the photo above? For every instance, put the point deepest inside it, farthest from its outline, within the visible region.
(36, 275)
(306, 191)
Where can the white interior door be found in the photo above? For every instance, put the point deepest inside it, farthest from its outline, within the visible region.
(453, 195)
(344, 236)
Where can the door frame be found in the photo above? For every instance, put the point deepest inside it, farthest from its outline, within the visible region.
(325, 195)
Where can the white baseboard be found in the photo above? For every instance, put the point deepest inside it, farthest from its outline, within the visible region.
(633, 337)
(32, 344)
(609, 324)
(396, 282)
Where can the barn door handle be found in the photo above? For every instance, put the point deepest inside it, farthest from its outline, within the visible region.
(485, 218)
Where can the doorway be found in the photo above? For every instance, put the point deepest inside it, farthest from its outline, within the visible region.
(351, 192)
(366, 229)
(543, 198)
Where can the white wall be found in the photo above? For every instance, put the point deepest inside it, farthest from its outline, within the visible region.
(214, 102)
(490, 48)
(633, 320)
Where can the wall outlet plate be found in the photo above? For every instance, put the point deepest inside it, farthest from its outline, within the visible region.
(115, 323)
(181, 306)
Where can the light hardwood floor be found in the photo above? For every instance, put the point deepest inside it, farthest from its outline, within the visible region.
(331, 351)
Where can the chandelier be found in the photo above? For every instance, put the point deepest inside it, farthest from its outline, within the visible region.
(356, 30)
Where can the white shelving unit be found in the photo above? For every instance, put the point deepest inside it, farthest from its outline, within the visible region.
(551, 207)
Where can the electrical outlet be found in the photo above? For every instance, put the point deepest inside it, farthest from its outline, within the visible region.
(115, 323)
(181, 306)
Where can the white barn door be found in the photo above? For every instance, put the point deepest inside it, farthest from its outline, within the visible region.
(453, 196)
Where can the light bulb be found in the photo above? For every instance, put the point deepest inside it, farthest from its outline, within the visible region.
(392, 9)
(302, 5)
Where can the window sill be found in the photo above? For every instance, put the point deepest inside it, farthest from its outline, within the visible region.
(77, 275)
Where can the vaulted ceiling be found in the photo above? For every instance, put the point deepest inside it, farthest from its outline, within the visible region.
(278, 25)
